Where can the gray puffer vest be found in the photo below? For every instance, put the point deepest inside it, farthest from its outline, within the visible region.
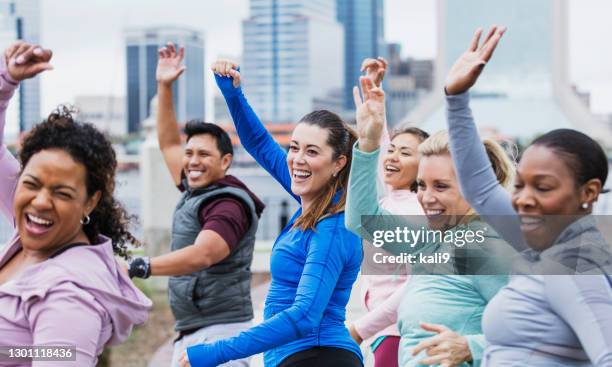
(221, 293)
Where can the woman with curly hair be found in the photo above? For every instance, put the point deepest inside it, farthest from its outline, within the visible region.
(59, 282)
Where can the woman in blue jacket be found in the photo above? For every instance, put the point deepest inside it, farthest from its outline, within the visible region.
(315, 260)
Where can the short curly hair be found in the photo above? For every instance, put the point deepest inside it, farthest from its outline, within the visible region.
(88, 146)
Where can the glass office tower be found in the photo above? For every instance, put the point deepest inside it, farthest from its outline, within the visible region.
(142, 46)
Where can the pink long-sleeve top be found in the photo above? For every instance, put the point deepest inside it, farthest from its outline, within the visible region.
(381, 294)
(78, 298)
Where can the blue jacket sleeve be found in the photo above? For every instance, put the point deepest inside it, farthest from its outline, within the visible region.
(254, 136)
(478, 182)
(325, 261)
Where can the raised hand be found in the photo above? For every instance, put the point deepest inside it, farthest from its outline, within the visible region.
(25, 60)
(375, 69)
(468, 67)
(170, 64)
(370, 114)
(227, 69)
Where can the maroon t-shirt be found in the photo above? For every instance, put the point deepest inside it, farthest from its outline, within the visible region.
(226, 215)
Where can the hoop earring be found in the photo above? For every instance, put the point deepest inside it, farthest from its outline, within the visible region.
(85, 221)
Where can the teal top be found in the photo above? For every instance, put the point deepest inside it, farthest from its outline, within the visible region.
(455, 301)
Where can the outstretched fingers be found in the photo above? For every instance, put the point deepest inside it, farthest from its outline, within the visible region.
(366, 87)
(181, 54)
(171, 49)
(370, 90)
(491, 45)
(357, 97)
(490, 35)
(475, 40)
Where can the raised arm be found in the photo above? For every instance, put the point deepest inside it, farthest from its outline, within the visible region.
(361, 199)
(253, 134)
(169, 68)
(478, 182)
(375, 70)
(20, 61)
(370, 118)
(325, 259)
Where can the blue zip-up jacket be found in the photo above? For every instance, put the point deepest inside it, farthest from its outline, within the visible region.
(312, 271)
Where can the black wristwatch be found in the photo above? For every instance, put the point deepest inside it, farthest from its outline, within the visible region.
(140, 267)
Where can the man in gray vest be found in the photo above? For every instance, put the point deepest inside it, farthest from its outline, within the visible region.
(213, 229)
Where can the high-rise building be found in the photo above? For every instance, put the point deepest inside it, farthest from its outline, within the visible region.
(364, 37)
(20, 20)
(524, 90)
(293, 57)
(8, 35)
(142, 46)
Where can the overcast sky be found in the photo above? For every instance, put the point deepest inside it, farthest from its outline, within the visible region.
(87, 39)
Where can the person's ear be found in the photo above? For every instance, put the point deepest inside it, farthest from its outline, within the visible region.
(92, 202)
(339, 164)
(226, 161)
(590, 191)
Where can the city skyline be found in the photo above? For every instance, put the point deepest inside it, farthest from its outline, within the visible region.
(411, 22)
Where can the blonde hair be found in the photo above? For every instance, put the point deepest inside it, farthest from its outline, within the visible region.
(503, 166)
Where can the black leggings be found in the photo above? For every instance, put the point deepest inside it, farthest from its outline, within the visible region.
(322, 357)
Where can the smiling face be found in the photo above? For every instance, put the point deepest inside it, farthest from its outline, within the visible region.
(401, 161)
(310, 162)
(50, 200)
(545, 196)
(203, 163)
(438, 192)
